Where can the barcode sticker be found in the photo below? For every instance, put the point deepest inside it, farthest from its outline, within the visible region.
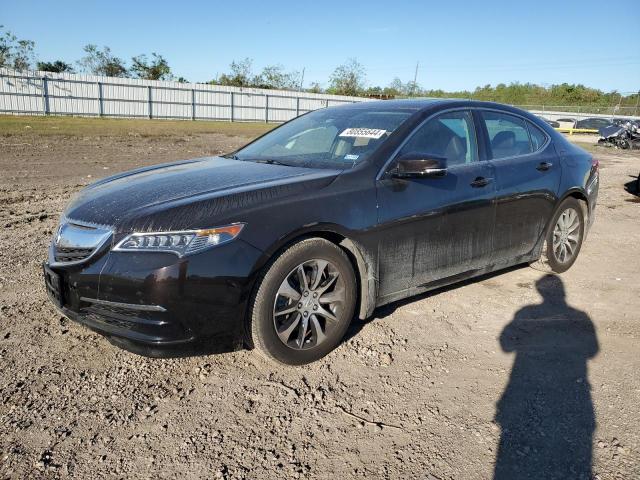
(363, 132)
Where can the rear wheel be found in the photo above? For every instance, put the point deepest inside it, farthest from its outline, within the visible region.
(565, 236)
(304, 303)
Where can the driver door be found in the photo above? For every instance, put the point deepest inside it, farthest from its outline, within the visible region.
(436, 227)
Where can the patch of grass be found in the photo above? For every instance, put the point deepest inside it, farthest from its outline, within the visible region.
(80, 126)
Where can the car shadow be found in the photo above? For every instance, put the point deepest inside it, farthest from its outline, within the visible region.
(546, 413)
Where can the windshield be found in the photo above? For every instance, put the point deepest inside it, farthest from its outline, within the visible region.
(328, 138)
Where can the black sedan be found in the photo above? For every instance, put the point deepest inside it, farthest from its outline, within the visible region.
(593, 123)
(279, 245)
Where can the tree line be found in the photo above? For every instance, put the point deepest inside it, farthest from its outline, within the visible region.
(348, 78)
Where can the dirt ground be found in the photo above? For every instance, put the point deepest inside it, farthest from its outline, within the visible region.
(504, 373)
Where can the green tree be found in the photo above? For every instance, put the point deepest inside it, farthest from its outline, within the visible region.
(155, 69)
(57, 67)
(314, 88)
(102, 62)
(398, 88)
(274, 76)
(348, 78)
(15, 53)
(240, 75)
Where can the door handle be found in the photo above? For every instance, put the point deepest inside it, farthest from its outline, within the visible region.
(544, 166)
(481, 182)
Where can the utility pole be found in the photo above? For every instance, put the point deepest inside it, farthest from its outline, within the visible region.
(301, 79)
(415, 79)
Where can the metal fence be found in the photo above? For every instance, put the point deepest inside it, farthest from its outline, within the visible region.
(553, 112)
(44, 93)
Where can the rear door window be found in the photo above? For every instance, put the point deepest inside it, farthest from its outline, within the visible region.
(508, 135)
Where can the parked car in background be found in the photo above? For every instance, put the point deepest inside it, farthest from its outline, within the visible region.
(280, 244)
(566, 122)
(595, 123)
(553, 123)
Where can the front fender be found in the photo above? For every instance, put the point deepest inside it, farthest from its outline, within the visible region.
(362, 259)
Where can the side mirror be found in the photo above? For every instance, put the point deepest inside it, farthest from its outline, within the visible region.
(419, 165)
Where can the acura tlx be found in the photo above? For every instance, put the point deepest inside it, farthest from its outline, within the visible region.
(279, 245)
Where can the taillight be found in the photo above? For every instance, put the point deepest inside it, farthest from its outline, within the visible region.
(595, 164)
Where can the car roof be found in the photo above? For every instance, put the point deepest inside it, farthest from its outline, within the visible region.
(417, 104)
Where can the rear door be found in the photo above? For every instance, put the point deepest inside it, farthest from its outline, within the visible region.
(431, 228)
(527, 174)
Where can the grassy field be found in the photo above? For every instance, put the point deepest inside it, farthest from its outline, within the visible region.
(81, 126)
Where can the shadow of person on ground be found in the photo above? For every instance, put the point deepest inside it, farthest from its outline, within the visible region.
(633, 186)
(546, 413)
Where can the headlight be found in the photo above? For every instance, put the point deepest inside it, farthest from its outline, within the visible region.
(181, 242)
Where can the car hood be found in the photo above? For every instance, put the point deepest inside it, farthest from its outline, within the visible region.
(122, 201)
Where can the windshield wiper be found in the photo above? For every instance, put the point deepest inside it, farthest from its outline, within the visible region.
(267, 160)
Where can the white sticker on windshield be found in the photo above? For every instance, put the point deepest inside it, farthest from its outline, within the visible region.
(363, 132)
(350, 156)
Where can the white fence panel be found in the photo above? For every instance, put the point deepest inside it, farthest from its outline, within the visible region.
(22, 94)
(68, 97)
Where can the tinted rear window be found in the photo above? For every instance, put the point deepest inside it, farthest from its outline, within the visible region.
(508, 135)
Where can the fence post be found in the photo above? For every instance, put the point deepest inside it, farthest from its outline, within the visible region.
(149, 97)
(232, 103)
(193, 104)
(45, 96)
(100, 105)
(297, 106)
(326, 103)
(266, 109)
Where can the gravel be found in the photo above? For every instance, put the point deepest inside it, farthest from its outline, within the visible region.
(418, 391)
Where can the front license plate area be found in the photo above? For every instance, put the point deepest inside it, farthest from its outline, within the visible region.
(53, 282)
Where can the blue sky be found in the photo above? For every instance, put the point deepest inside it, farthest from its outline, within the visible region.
(458, 44)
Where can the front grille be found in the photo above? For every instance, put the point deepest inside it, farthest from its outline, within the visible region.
(72, 254)
(76, 242)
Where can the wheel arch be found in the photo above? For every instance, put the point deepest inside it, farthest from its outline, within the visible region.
(575, 192)
(579, 194)
(361, 260)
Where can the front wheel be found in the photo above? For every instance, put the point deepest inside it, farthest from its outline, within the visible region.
(565, 236)
(303, 303)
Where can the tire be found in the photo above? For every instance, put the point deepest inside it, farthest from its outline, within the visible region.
(552, 258)
(305, 323)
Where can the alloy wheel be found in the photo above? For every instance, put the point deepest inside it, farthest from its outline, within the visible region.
(566, 235)
(308, 304)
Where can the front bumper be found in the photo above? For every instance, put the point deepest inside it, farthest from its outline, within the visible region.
(157, 304)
